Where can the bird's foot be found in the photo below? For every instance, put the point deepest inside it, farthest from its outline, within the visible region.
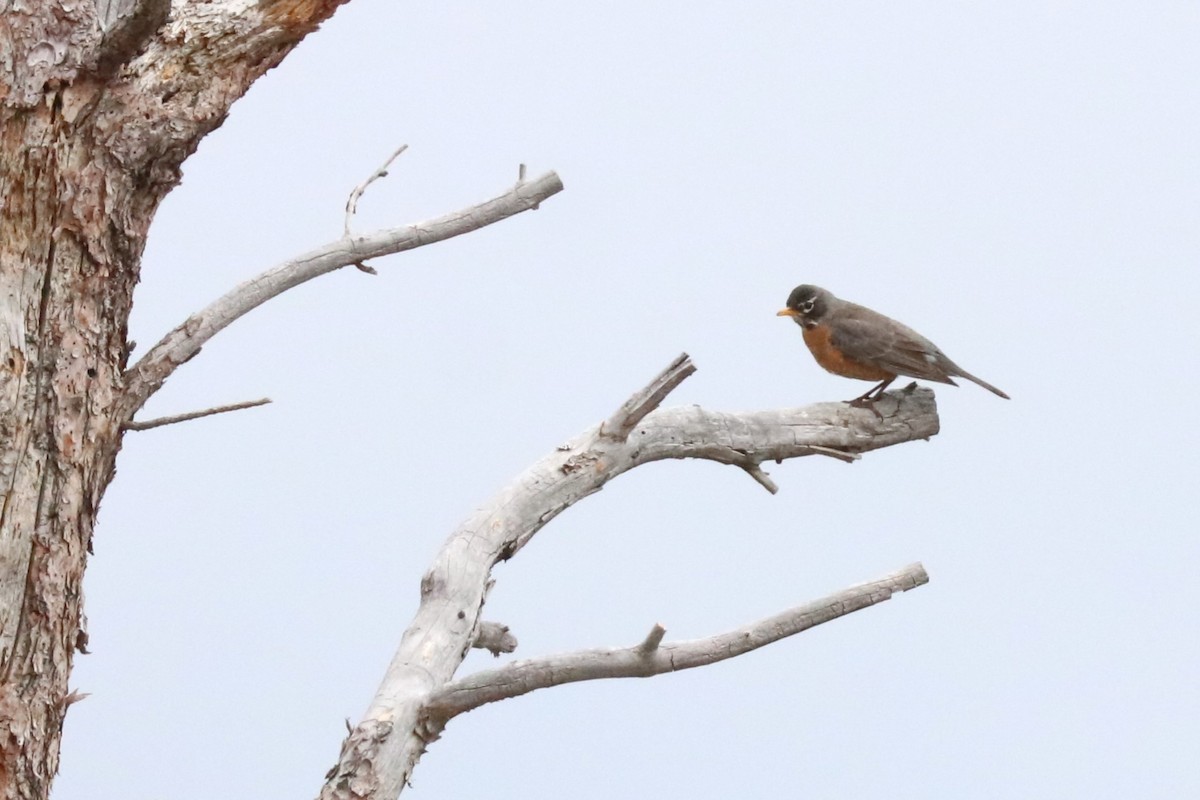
(866, 402)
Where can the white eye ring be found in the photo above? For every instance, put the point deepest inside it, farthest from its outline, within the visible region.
(807, 306)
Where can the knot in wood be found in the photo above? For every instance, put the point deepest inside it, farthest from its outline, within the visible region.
(578, 462)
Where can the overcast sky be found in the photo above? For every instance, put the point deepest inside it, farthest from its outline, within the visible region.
(1018, 181)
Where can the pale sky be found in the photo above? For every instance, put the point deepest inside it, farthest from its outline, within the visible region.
(1020, 182)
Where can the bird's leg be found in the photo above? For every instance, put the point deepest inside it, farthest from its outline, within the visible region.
(879, 389)
(867, 401)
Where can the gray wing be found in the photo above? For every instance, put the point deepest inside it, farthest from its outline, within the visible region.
(866, 335)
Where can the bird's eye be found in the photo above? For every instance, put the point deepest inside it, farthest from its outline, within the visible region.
(807, 306)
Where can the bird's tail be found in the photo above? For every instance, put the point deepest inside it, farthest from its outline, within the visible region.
(983, 383)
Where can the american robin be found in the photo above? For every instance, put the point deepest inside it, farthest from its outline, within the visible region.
(855, 342)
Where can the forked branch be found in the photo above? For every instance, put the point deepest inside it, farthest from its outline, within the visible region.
(358, 191)
(383, 748)
(145, 377)
(634, 410)
(652, 658)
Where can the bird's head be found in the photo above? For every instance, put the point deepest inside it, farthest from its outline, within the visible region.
(806, 305)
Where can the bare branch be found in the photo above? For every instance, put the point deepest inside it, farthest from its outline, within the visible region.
(632, 411)
(760, 477)
(352, 201)
(495, 638)
(453, 589)
(652, 641)
(158, 422)
(74, 697)
(145, 377)
(640, 661)
(840, 455)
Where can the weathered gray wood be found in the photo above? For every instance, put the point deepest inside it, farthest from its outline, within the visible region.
(495, 638)
(652, 658)
(632, 411)
(381, 751)
(185, 341)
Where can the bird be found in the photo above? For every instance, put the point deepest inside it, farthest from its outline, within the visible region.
(855, 342)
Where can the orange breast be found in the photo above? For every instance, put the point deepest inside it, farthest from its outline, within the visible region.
(833, 360)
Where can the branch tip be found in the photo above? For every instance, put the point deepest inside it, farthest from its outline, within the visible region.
(653, 639)
(357, 192)
(763, 479)
(642, 402)
(495, 638)
(840, 455)
(916, 574)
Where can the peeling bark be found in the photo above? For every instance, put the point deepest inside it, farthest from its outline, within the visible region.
(66, 278)
(97, 113)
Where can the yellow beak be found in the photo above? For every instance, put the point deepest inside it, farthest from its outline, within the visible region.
(788, 312)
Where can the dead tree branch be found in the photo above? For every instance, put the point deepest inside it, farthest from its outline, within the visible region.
(495, 638)
(145, 377)
(380, 172)
(652, 641)
(158, 422)
(380, 753)
(652, 658)
(632, 411)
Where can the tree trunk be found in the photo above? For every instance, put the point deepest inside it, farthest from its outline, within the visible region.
(68, 266)
(96, 117)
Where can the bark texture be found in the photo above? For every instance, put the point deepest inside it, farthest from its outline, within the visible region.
(99, 106)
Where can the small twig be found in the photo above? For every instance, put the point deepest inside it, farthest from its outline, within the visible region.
(495, 638)
(634, 410)
(208, 412)
(832, 452)
(653, 639)
(840, 455)
(755, 471)
(352, 201)
(74, 697)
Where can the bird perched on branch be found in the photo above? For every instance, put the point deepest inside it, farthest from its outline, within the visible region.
(855, 342)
